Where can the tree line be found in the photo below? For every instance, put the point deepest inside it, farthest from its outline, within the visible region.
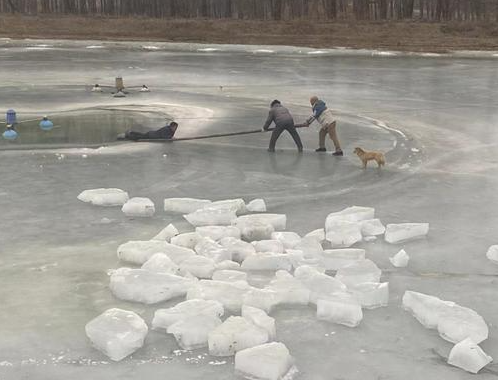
(430, 10)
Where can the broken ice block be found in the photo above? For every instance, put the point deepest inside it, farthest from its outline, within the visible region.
(211, 217)
(139, 285)
(297, 259)
(239, 249)
(289, 290)
(334, 259)
(273, 246)
(372, 227)
(138, 251)
(492, 253)
(453, 322)
(342, 233)
(209, 248)
(310, 246)
(192, 333)
(139, 207)
(233, 335)
(117, 333)
(339, 310)
(271, 361)
(186, 240)
(267, 261)
(167, 233)
(278, 221)
(163, 318)
(264, 299)
(400, 260)
(318, 234)
(227, 265)
(259, 318)
(351, 214)
(236, 205)
(256, 205)
(161, 263)
(218, 232)
(252, 230)
(396, 233)
(359, 272)
(198, 266)
(184, 205)
(288, 239)
(229, 275)
(229, 294)
(371, 295)
(468, 356)
(319, 284)
(104, 197)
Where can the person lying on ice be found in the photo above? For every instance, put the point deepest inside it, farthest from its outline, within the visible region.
(283, 121)
(165, 133)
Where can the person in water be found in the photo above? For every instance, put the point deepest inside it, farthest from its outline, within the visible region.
(165, 133)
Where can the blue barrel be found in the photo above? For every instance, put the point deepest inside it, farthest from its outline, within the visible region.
(9, 134)
(10, 117)
(46, 124)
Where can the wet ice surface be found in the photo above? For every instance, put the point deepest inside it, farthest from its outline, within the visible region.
(442, 169)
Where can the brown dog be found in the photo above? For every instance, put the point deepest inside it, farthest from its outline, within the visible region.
(368, 156)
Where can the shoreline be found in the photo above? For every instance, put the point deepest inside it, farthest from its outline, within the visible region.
(403, 37)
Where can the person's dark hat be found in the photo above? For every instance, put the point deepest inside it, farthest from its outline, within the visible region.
(275, 102)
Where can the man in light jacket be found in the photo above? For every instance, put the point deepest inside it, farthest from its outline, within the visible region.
(325, 117)
(283, 121)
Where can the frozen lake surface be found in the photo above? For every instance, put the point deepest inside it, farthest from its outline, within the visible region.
(435, 117)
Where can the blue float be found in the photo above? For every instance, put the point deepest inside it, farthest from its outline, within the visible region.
(46, 124)
(9, 134)
(10, 117)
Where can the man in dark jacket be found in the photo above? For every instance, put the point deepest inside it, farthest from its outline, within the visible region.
(283, 121)
(164, 133)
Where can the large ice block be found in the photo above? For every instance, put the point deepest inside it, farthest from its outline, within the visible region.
(397, 233)
(351, 214)
(161, 263)
(371, 295)
(209, 248)
(271, 361)
(278, 221)
(273, 246)
(192, 333)
(288, 239)
(320, 285)
(211, 217)
(229, 275)
(252, 230)
(186, 240)
(468, 356)
(400, 260)
(184, 205)
(267, 261)
(238, 249)
(104, 197)
(229, 294)
(139, 251)
(236, 205)
(218, 232)
(359, 272)
(163, 318)
(227, 265)
(259, 318)
(264, 299)
(117, 333)
(235, 334)
(343, 233)
(372, 227)
(318, 234)
(139, 207)
(198, 266)
(453, 322)
(140, 285)
(289, 290)
(310, 246)
(341, 310)
(334, 259)
(166, 233)
(256, 205)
